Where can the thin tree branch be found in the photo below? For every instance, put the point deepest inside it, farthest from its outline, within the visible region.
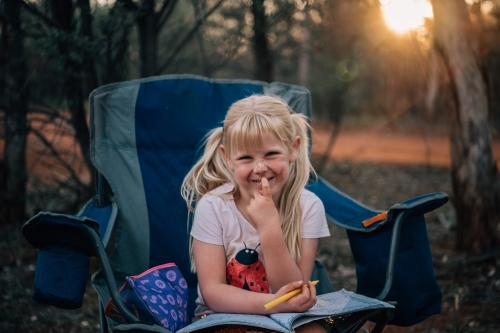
(128, 5)
(33, 9)
(331, 142)
(57, 156)
(165, 12)
(188, 37)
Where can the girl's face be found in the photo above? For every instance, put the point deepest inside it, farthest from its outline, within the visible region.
(271, 160)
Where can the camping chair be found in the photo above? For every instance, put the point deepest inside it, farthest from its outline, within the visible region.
(145, 135)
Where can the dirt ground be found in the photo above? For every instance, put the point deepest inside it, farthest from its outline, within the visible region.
(470, 286)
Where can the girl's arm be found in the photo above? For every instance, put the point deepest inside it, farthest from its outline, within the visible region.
(220, 297)
(281, 269)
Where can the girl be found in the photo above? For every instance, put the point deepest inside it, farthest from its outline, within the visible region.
(256, 228)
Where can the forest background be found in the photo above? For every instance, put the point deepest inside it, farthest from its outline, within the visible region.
(366, 64)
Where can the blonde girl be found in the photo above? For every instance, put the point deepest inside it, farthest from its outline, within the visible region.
(255, 229)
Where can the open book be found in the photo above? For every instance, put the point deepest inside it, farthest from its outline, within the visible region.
(343, 303)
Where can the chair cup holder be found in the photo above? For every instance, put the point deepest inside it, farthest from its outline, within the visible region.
(60, 277)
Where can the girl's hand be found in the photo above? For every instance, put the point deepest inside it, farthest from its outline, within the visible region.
(261, 208)
(299, 303)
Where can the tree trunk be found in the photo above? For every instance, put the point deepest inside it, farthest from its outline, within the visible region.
(117, 31)
(200, 8)
(305, 49)
(148, 34)
(62, 12)
(16, 105)
(263, 57)
(89, 70)
(473, 169)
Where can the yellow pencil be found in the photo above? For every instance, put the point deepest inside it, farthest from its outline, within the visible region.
(286, 297)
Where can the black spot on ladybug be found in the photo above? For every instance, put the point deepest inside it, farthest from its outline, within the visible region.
(239, 276)
(251, 284)
(263, 278)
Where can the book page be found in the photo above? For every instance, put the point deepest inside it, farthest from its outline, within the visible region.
(332, 304)
(216, 319)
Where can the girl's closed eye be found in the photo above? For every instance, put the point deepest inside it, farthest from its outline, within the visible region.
(244, 158)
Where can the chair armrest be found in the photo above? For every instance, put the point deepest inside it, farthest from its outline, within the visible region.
(63, 258)
(65, 243)
(349, 214)
(418, 205)
(392, 254)
(47, 229)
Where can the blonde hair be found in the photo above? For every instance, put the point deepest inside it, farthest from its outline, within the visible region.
(245, 124)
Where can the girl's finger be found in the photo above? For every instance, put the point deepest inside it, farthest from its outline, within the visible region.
(312, 289)
(266, 189)
(306, 291)
(292, 286)
(312, 294)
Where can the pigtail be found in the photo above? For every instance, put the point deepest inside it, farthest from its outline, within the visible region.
(290, 210)
(207, 174)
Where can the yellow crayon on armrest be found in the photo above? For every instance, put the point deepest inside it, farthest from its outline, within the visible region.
(286, 297)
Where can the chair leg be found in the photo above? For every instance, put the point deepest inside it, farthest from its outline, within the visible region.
(383, 319)
(102, 319)
(379, 327)
(358, 327)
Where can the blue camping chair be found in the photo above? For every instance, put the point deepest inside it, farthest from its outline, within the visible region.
(145, 135)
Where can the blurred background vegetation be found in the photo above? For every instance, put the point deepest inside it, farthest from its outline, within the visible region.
(364, 61)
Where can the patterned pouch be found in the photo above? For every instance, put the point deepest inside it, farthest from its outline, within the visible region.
(157, 296)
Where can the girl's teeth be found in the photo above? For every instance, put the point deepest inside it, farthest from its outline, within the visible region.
(258, 181)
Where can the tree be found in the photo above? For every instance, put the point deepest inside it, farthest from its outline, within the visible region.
(113, 41)
(263, 57)
(73, 70)
(89, 68)
(149, 23)
(473, 170)
(16, 92)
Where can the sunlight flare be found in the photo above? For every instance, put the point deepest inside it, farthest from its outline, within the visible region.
(405, 15)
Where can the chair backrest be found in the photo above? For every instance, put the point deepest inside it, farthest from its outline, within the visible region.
(145, 136)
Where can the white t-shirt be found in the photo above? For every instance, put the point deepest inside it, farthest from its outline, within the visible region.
(218, 221)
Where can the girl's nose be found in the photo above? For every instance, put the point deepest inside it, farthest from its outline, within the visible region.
(260, 166)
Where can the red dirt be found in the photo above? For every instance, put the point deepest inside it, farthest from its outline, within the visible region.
(409, 147)
(354, 144)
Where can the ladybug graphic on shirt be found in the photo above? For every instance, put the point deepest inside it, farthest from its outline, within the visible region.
(246, 271)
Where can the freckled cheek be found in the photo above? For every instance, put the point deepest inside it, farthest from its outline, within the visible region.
(282, 173)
